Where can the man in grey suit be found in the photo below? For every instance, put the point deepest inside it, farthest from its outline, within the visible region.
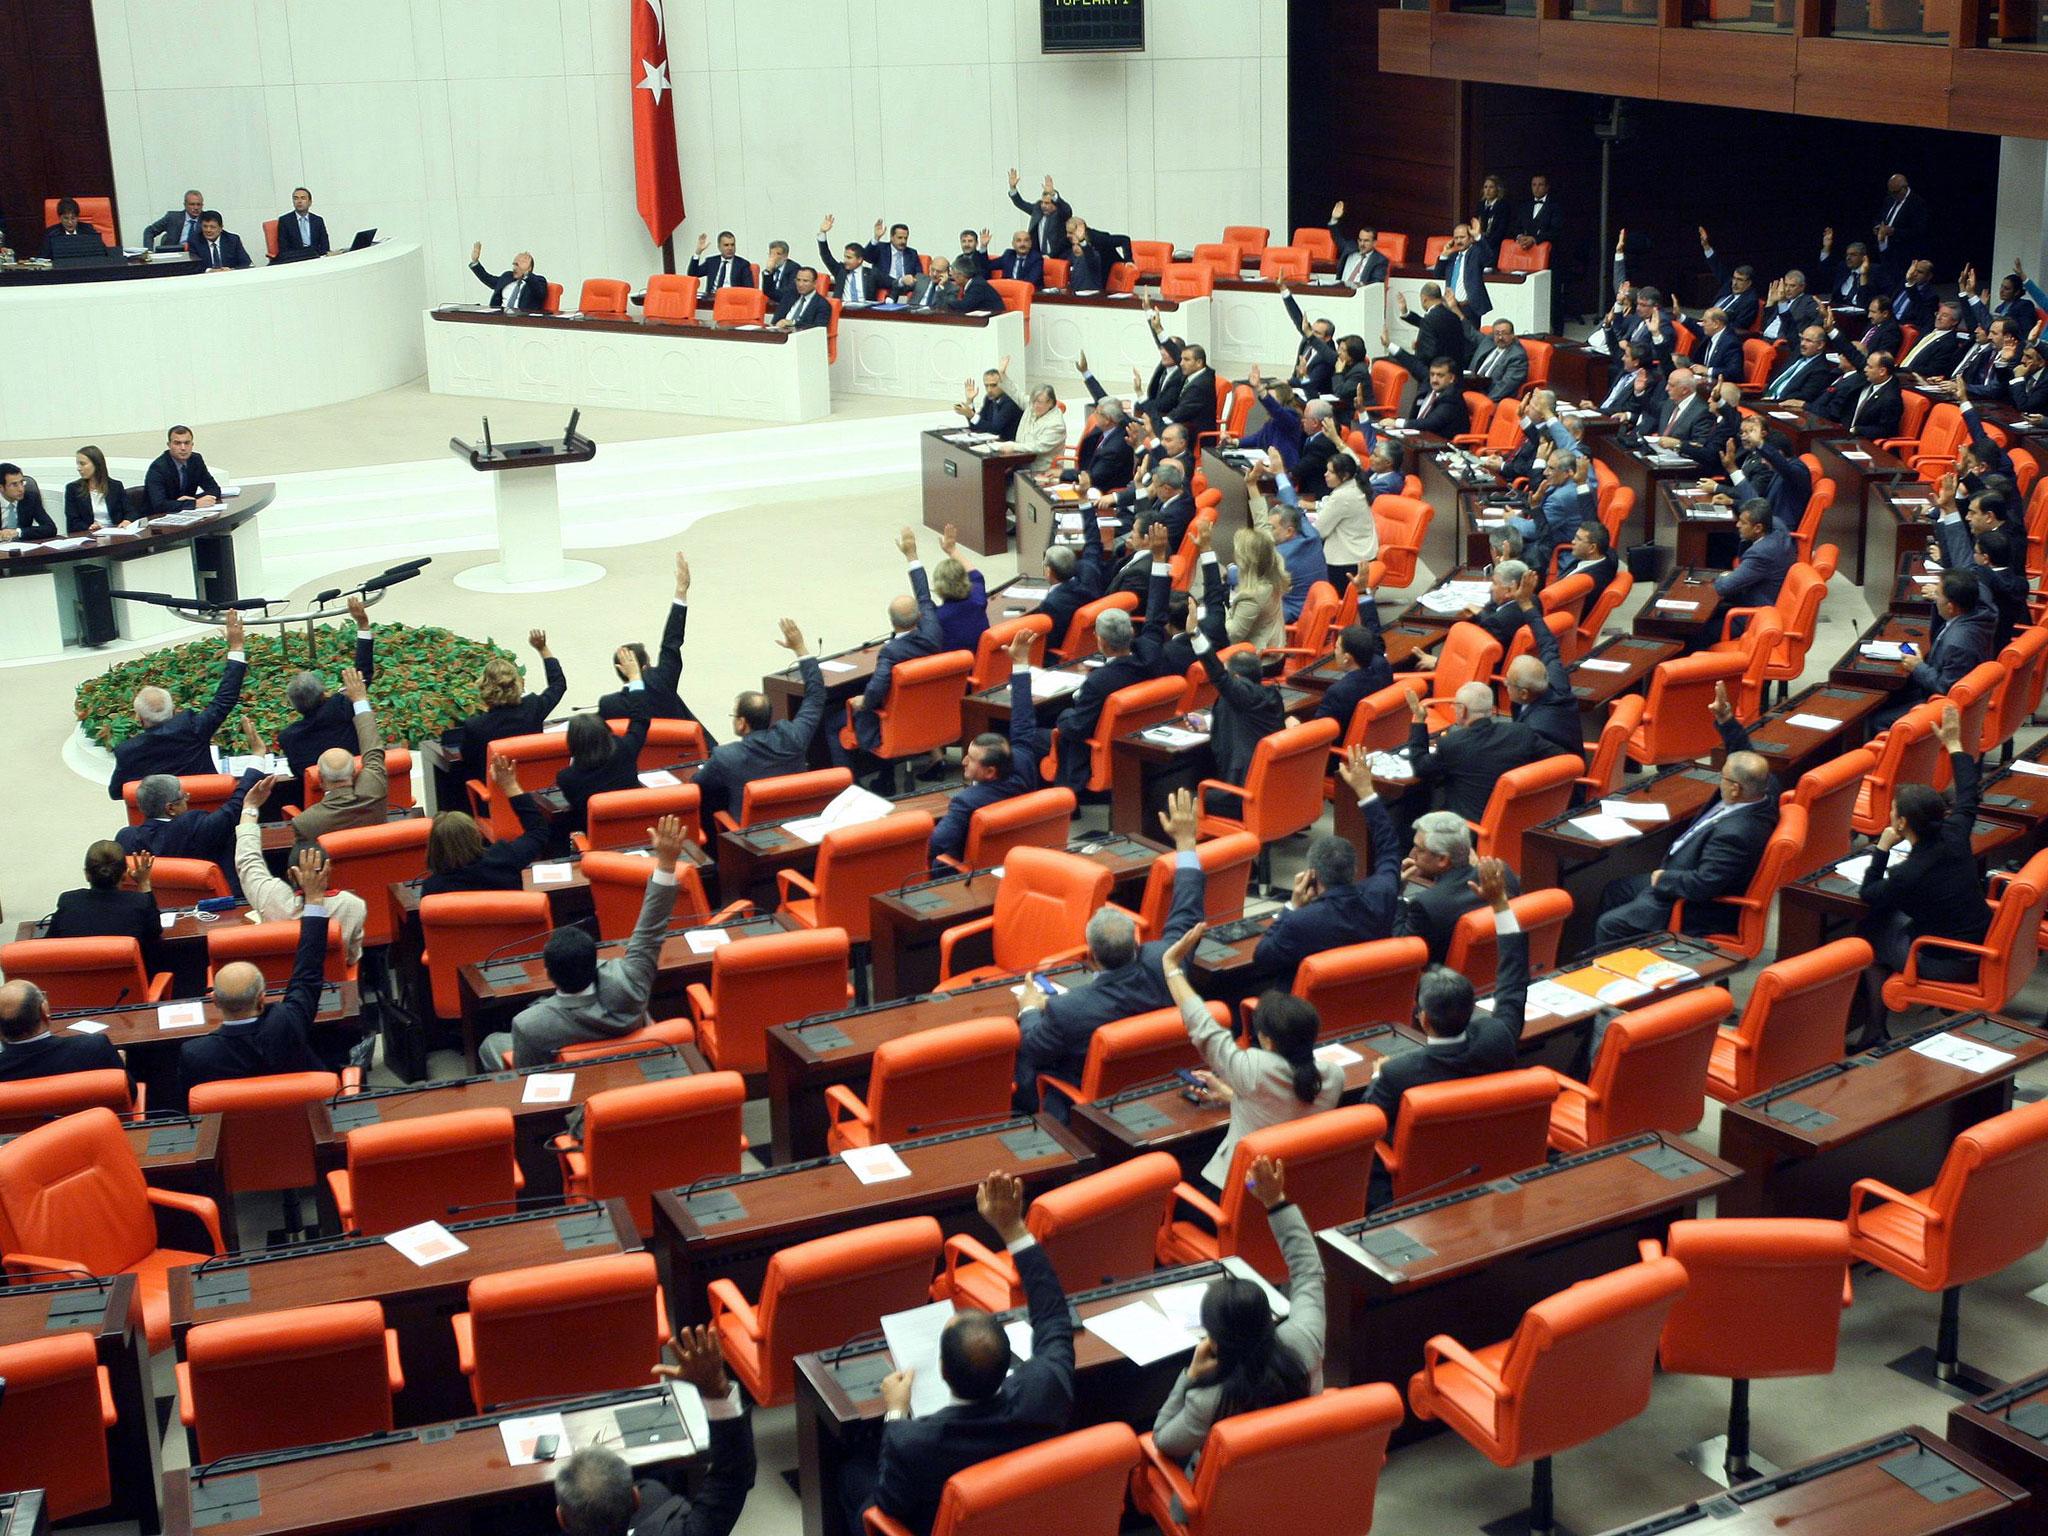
(347, 798)
(762, 747)
(178, 228)
(594, 999)
(1500, 362)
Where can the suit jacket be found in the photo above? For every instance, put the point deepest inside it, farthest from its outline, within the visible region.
(1875, 409)
(1445, 414)
(999, 414)
(366, 799)
(1033, 1404)
(1788, 486)
(1964, 642)
(1246, 713)
(1464, 277)
(162, 490)
(614, 1004)
(1315, 360)
(1088, 265)
(1089, 581)
(1937, 886)
(1916, 304)
(169, 232)
(925, 639)
(1740, 308)
(290, 247)
(1196, 407)
(78, 505)
(976, 295)
(1603, 571)
(1027, 747)
(1760, 570)
(56, 232)
(194, 834)
(91, 913)
(1078, 720)
(533, 288)
(1554, 715)
(1792, 317)
(30, 516)
(1341, 699)
(1107, 458)
(1431, 912)
(881, 255)
(53, 1055)
(706, 268)
(1360, 275)
(1720, 357)
(1487, 1043)
(1936, 354)
(657, 695)
(181, 744)
(1909, 226)
(276, 1040)
(1048, 230)
(1027, 268)
(1351, 914)
(1439, 333)
(1467, 760)
(231, 253)
(503, 863)
(332, 723)
(817, 309)
(1501, 372)
(619, 770)
(873, 284)
(720, 1498)
(779, 283)
(1496, 221)
(1540, 223)
(929, 291)
(474, 736)
(1716, 853)
(782, 748)
(1697, 429)
(1802, 378)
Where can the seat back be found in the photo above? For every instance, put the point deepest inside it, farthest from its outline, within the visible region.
(72, 1190)
(249, 1376)
(1972, 696)
(404, 1172)
(1045, 903)
(463, 927)
(1677, 722)
(1758, 644)
(825, 1291)
(1563, 600)
(922, 711)
(1058, 272)
(669, 1032)
(618, 890)
(956, 1074)
(1474, 952)
(1989, 1196)
(1758, 356)
(1389, 379)
(1908, 753)
(992, 650)
(1818, 501)
(1603, 771)
(204, 792)
(1512, 258)
(78, 973)
(2023, 659)
(661, 1135)
(1284, 785)
(1227, 869)
(1753, 906)
(1828, 793)
(1798, 604)
(1186, 280)
(1250, 239)
(1380, 722)
(671, 297)
(791, 794)
(1469, 654)
(1016, 298)
(1079, 640)
(1369, 983)
(183, 882)
(1151, 257)
(1140, 1049)
(776, 978)
(604, 297)
(266, 1134)
(1602, 609)
(1317, 244)
(1797, 1015)
(858, 862)
(2014, 937)
(1070, 1483)
(369, 861)
(28, 1102)
(566, 1329)
(739, 306)
(1328, 1157)
(53, 1422)
(1523, 797)
(1224, 259)
(1652, 1071)
(622, 818)
(552, 303)
(1134, 708)
(1468, 1131)
(397, 779)
(1284, 261)
(1040, 819)
(1763, 1297)
(1433, 248)
(1256, 1466)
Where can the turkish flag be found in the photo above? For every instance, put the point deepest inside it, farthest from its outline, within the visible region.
(656, 176)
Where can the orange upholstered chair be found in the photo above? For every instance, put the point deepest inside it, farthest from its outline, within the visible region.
(266, 1135)
(1250, 239)
(403, 1172)
(1227, 870)
(54, 1422)
(1651, 1074)
(1580, 1364)
(1095, 1230)
(72, 1199)
(1016, 298)
(1328, 1156)
(243, 1384)
(1763, 1299)
(369, 861)
(619, 818)
(1828, 793)
(99, 213)
(1907, 753)
(28, 1102)
(1041, 911)
(1058, 272)
(821, 1293)
(1276, 1465)
(83, 973)
(461, 927)
(671, 299)
(1523, 797)
(1224, 259)
(1466, 1132)
(1072, 1483)
(650, 1136)
(184, 882)
(956, 1074)
(1753, 906)
(1468, 655)
(1758, 358)
(1795, 1020)
(618, 889)
(1985, 1209)
(1602, 609)
(562, 1330)
(552, 304)
(1512, 258)
(1288, 261)
(1186, 280)
(1320, 244)
(1606, 756)
(665, 1032)
(2005, 960)
(1079, 640)
(922, 710)
(1039, 819)
(1369, 983)
(772, 979)
(789, 794)
(854, 864)
(1139, 1049)
(992, 650)
(1151, 257)
(204, 791)
(739, 306)
(604, 298)
(2013, 701)
(540, 758)
(1135, 708)
(1677, 725)
(1282, 793)
(272, 948)
(1972, 695)
(1474, 953)
(1402, 523)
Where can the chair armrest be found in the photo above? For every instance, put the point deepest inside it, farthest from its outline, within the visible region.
(159, 984)
(1649, 1249)
(1863, 1190)
(1444, 1347)
(1728, 617)
(842, 1104)
(971, 1250)
(351, 1082)
(564, 1143)
(36, 1263)
(724, 821)
(1388, 1159)
(959, 866)
(733, 913)
(1911, 974)
(198, 1206)
(1573, 1085)
(1229, 789)
(701, 1007)
(394, 1370)
(1047, 1083)
(877, 1523)
(1189, 1195)
(1061, 957)
(580, 841)
(726, 1297)
(951, 938)
(1171, 1474)
(786, 879)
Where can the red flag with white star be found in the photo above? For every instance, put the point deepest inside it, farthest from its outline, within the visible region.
(655, 172)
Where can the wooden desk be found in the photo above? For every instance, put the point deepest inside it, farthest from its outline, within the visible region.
(1641, 475)
(1694, 620)
(1855, 670)
(1597, 687)
(1795, 749)
(1477, 1258)
(1420, 616)
(1901, 517)
(905, 925)
(1823, 905)
(1557, 853)
(1577, 372)
(2005, 1430)
(728, 1228)
(749, 857)
(846, 677)
(420, 1478)
(1038, 509)
(1558, 1041)
(1791, 419)
(1849, 525)
(1696, 529)
(1235, 510)
(969, 488)
(1887, 1113)
(1852, 1493)
(989, 710)
(1222, 962)
(1144, 772)
(2021, 799)
(1422, 457)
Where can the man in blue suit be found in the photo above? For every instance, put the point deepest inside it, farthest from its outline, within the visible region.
(1766, 470)
(1463, 270)
(1766, 555)
(895, 258)
(1330, 905)
(1127, 977)
(216, 250)
(1020, 263)
(174, 740)
(302, 232)
(915, 625)
(728, 269)
(171, 829)
(996, 768)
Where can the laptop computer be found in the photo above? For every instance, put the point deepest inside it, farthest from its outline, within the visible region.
(364, 238)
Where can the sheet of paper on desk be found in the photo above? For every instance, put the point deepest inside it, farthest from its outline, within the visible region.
(521, 1435)
(1391, 766)
(838, 666)
(167, 920)
(1678, 604)
(1602, 664)
(1967, 1054)
(1813, 722)
(1550, 999)
(1604, 828)
(1053, 685)
(1853, 870)
(2038, 770)
(849, 808)
(1024, 592)
(704, 940)
(426, 1242)
(1882, 650)
(1140, 1333)
(1711, 513)
(658, 778)
(1855, 453)
(180, 1015)
(550, 874)
(555, 728)
(1652, 811)
(875, 1165)
(263, 762)
(1784, 415)
(914, 1345)
(1175, 736)
(1019, 1332)
(1337, 1055)
(1182, 1304)
(549, 1088)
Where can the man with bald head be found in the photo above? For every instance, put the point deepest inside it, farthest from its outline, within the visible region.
(1712, 858)
(255, 1041)
(915, 631)
(763, 747)
(522, 288)
(349, 797)
(173, 740)
(1466, 759)
(28, 1049)
(1540, 689)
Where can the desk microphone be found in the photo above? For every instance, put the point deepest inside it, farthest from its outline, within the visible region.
(1432, 1188)
(956, 1123)
(487, 437)
(100, 1281)
(526, 1202)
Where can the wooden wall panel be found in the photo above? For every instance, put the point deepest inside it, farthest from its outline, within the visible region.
(1845, 78)
(1578, 55)
(1482, 47)
(1999, 91)
(1751, 70)
(54, 142)
(1404, 42)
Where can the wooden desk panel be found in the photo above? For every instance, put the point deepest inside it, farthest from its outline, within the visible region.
(1596, 687)
(969, 489)
(1557, 853)
(1795, 749)
(1692, 625)
(749, 858)
(2004, 1430)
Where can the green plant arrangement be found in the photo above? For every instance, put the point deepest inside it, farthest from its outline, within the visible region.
(425, 680)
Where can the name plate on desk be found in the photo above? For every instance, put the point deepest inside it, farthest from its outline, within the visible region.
(172, 1140)
(586, 1229)
(353, 1114)
(226, 1500)
(81, 1308)
(714, 1207)
(1140, 1119)
(219, 1288)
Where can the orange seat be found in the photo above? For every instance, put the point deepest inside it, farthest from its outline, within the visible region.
(54, 1422)
(2005, 960)
(404, 1172)
(266, 1134)
(1227, 870)
(562, 1330)
(739, 306)
(72, 1199)
(1040, 819)
(1225, 259)
(1651, 1074)
(2024, 659)
(540, 759)
(397, 779)
(671, 299)
(855, 864)
(1016, 298)
(1284, 261)
(620, 818)
(28, 1102)
(83, 973)
(1402, 523)
(243, 1384)
(1677, 726)
(650, 1136)
(1058, 272)
(1250, 239)
(185, 882)
(618, 890)
(1474, 952)
(1134, 708)
(789, 794)
(1561, 600)
(1124, 1052)
(1984, 1210)
(203, 792)
(1972, 694)
(1186, 280)
(1796, 1020)
(1763, 1299)
(552, 304)
(666, 1032)
(1601, 611)
(1369, 983)
(1905, 754)
(922, 710)
(1464, 1132)
(1523, 797)
(1389, 382)
(369, 861)
(1579, 1364)
(773, 979)
(1079, 640)
(1282, 793)
(1327, 1155)
(1319, 244)
(604, 298)
(1758, 358)
(1512, 258)
(953, 1075)
(461, 928)
(992, 650)
(1276, 1467)
(821, 1293)
(99, 213)
(1607, 755)
(1041, 911)
(1828, 796)
(1433, 247)
(1540, 353)
(1309, 636)
(1152, 257)
(1072, 1483)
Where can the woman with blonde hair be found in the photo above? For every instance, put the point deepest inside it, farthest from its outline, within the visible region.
(1255, 615)
(506, 710)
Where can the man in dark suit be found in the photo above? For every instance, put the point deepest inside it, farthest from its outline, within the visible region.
(1847, 280)
(178, 478)
(1173, 446)
(728, 269)
(22, 514)
(1540, 689)
(1126, 977)
(1685, 423)
(1916, 300)
(1105, 458)
(1436, 882)
(761, 746)
(1090, 255)
(1987, 555)
(595, 1491)
(326, 719)
(1500, 363)
(1469, 757)
(1866, 399)
(1761, 563)
(302, 232)
(1196, 407)
(216, 250)
(778, 276)
(1441, 409)
(1361, 669)
(178, 228)
(1788, 308)
(68, 228)
(1048, 216)
(100, 909)
(1438, 333)
(972, 293)
(1462, 269)
(655, 693)
(914, 622)
(803, 307)
(1713, 857)
(1901, 225)
(856, 279)
(171, 829)
(996, 413)
(1247, 710)
(1459, 1041)
(173, 740)
(1076, 580)
(995, 768)
(1969, 629)
(1315, 360)
(1720, 349)
(1128, 658)
(255, 1041)
(1591, 552)
(1020, 263)
(1763, 469)
(975, 248)
(1539, 221)
(520, 289)
(894, 257)
(999, 1404)
(1329, 905)
(28, 1049)
(1806, 374)
(1736, 290)
(1360, 262)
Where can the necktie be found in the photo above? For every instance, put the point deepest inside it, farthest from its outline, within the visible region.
(1853, 415)
(725, 272)
(191, 229)
(1701, 825)
(11, 520)
(216, 253)
(183, 481)
(305, 231)
(1492, 365)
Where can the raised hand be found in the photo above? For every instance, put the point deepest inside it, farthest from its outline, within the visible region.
(1013, 178)
(1337, 212)
(233, 631)
(906, 541)
(358, 612)
(476, 253)
(1180, 822)
(1000, 1200)
(1267, 1181)
(1722, 709)
(1174, 961)
(694, 1356)
(1951, 729)
(949, 538)
(1490, 882)
(1356, 770)
(311, 866)
(1706, 244)
(878, 231)
(353, 686)
(792, 637)
(826, 227)
(667, 837)
(1020, 649)
(140, 865)
(504, 775)
(1081, 364)
(538, 639)
(259, 794)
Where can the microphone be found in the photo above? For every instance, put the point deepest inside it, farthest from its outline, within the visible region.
(328, 596)
(524, 1202)
(956, 1122)
(101, 1281)
(141, 597)
(1432, 1188)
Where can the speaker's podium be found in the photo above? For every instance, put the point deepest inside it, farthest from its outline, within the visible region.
(529, 511)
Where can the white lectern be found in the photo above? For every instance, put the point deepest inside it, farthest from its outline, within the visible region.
(529, 514)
